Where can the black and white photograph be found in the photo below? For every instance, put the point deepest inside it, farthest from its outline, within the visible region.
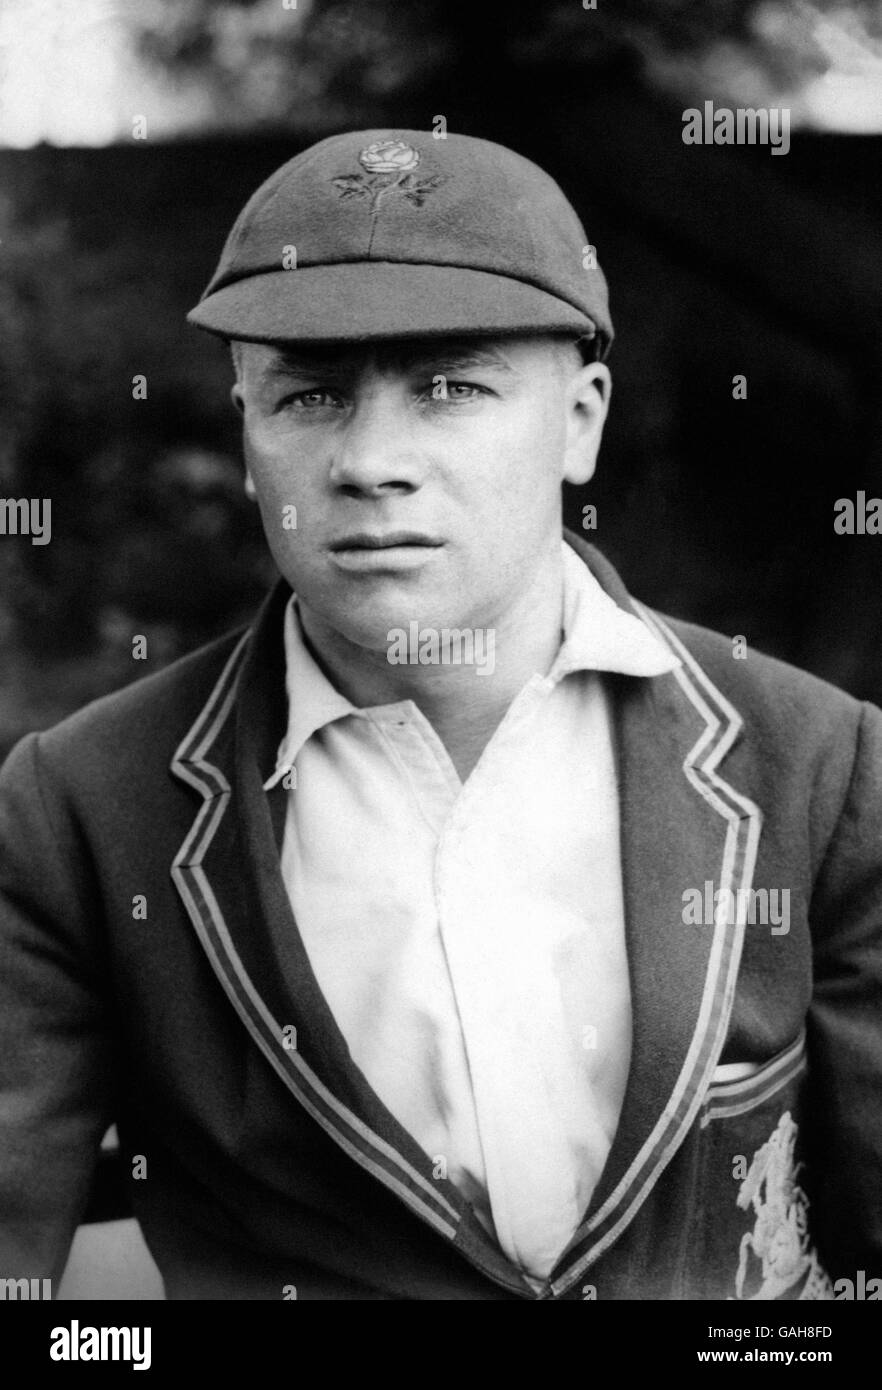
(441, 662)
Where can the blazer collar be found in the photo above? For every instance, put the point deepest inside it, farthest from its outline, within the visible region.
(682, 822)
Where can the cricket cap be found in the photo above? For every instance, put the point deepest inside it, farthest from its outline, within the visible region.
(400, 234)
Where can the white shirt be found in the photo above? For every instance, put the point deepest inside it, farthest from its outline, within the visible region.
(469, 938)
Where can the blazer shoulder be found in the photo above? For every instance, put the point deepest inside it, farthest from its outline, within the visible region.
(142, 721)
(762, 689)
(804, 744)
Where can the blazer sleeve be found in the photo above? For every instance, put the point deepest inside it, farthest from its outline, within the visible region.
(57, 1059)
(845, 1025)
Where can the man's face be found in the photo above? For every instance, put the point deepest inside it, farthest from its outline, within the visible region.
(416, 480)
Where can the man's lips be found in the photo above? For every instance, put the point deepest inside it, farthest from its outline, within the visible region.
(364, 540)
(393, 552)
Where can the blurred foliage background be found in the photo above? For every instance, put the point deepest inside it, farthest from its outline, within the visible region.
(721, 261)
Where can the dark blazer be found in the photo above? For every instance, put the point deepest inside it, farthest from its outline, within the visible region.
(264, 1167)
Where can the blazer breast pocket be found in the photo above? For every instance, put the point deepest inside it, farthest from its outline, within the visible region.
(739, 1087)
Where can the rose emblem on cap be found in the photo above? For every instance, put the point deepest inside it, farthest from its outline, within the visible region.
(389, 165)
(389, 157)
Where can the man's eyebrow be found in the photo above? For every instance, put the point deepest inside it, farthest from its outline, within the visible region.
(305, 364)
(444, 358)
(458, 357)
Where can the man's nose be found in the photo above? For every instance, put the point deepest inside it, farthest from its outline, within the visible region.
(375, 451)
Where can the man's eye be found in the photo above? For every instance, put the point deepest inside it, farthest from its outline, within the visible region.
(442, 389)
(313, 399)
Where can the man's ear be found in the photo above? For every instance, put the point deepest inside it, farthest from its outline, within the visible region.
(237, 398)
(587, 402)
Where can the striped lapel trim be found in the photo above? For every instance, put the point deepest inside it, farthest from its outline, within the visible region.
(366, 1148)
(742, 819)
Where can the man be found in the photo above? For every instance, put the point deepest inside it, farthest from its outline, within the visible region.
(463, 929)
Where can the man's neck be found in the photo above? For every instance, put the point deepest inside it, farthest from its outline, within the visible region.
(463, 704)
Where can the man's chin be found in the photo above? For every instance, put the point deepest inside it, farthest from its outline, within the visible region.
(378, 635)
(377, 628)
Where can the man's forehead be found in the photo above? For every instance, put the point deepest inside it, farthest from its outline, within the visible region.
(499, 353)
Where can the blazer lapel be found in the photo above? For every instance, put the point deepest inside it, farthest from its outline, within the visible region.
(228, 874)
(682, 824)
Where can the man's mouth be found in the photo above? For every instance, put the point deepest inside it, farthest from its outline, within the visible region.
(370, 552)
(365, 540)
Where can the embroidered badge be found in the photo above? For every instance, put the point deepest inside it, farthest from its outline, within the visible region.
(389, 165)
(779, 1240)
